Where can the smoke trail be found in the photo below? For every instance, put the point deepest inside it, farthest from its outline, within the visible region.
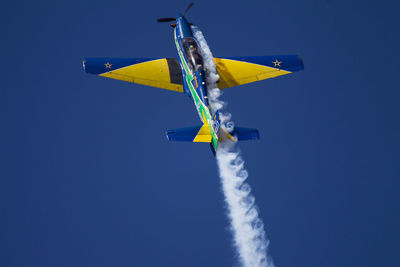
(247, 227)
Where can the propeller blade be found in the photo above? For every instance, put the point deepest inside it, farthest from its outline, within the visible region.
(166, 19)
(189, 7)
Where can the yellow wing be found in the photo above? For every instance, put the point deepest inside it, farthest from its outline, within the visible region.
(241, 70)
(163, 73)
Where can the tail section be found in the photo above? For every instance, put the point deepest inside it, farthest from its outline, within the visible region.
(204, 134)
(239, 134)
(246, 133)
(191, 134)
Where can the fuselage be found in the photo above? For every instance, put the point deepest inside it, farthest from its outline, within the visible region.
(194, 80)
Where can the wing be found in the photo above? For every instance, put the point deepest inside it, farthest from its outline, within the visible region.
(234, 71)
(163, 73)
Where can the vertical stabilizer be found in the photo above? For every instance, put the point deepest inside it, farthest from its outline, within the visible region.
(204, 134)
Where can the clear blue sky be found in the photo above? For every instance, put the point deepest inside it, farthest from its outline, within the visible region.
(87, 177)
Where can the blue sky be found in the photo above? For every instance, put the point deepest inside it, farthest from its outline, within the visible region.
(89, 179)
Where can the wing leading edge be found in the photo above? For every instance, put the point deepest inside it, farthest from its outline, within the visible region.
(163, 73)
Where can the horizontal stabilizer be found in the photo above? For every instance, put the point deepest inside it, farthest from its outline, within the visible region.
(245, 133)
(202, 134)
(190, 134)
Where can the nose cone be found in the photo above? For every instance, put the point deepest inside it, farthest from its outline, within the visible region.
(184, 27)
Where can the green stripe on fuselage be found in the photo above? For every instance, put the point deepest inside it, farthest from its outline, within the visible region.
(200, 106)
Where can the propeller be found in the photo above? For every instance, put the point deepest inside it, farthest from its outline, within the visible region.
(187, 9)
(166, 19)
(173, 19)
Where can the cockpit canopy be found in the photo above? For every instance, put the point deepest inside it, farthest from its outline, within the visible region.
(193, 53)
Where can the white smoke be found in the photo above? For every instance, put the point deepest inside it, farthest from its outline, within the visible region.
(247, 227)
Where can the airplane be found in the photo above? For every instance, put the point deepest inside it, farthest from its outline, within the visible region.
(186, 74)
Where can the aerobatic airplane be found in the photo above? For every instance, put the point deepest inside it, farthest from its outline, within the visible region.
(186, 74)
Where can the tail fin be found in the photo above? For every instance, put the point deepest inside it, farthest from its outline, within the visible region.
(204, 134)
